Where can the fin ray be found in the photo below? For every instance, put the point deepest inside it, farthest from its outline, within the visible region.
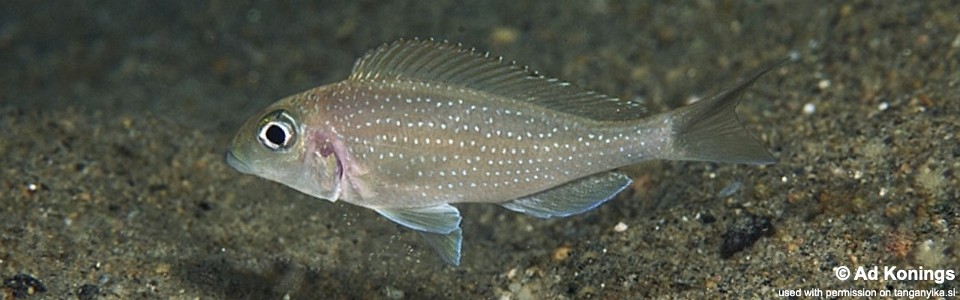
(571, 198)
(446, 245)
(451, 64)
(710, 130)
(442, 219)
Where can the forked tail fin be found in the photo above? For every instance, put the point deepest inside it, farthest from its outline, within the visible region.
(709, 130)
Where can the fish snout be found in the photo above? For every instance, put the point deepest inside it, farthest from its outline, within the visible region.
(237, 163)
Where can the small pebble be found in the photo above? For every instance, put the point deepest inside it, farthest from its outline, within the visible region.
(620, 227)
(561, 253)
(823, 84)
(809, 108)
(730, 189)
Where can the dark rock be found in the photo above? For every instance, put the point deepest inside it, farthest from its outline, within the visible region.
(743, 232)
(88, 292)
(23, 285)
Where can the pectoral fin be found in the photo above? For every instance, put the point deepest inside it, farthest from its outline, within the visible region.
(442, 219)
(573, 197)
(446, 245)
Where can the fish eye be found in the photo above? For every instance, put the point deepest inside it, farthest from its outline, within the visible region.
(277, 131)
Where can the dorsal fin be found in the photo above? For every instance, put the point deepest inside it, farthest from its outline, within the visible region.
(451, 64)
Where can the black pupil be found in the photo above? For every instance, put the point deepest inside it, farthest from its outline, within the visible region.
(276, 135)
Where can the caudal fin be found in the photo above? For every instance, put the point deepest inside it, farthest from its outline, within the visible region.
(709, 130)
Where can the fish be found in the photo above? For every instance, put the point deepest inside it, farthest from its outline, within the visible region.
(420, 125)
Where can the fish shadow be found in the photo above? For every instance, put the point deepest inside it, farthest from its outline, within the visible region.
(219, 277)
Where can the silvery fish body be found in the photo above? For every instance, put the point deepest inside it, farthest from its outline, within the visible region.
(420, 125)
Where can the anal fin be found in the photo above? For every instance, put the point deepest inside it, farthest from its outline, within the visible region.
(571, 198)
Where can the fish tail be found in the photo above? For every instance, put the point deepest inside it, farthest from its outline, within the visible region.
(709, 130)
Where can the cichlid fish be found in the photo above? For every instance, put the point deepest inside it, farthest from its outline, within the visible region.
(420, 125)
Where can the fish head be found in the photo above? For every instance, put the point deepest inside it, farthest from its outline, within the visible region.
(277, 145)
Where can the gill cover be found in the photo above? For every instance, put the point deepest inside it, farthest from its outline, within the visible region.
(279, 146)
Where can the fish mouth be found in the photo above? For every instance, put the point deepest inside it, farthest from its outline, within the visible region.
(236, 163)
